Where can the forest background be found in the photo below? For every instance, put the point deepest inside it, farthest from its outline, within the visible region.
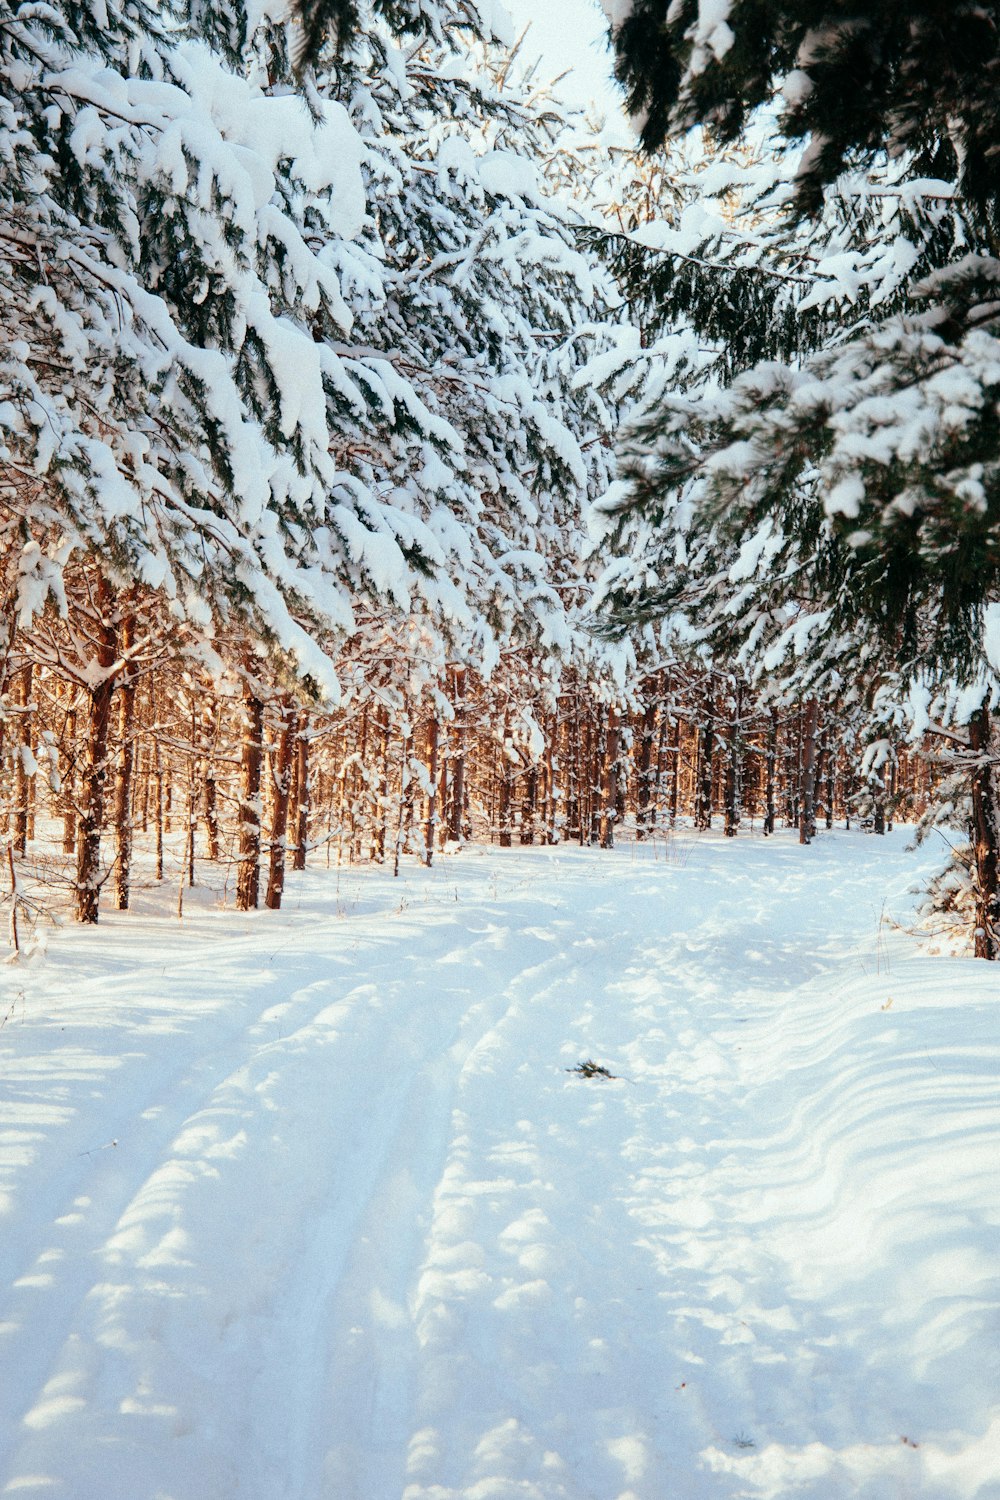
(391, 457)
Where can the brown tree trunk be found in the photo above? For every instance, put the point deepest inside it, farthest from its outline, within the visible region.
(734, 765)
(985, 834)
(126, 764)
(506, 791)
(673, 801)
(645, 771)
(430, 825)
(382, 808)
(23, 782)
(455, 811)
(248, 869)
(770, 763)
(300, 812)
(93, 778)
(158, 809)
(529, 806)
(611, 771)
(282, 785)
(706, 759)
(807, 801)
(210, 791)
(67, 774)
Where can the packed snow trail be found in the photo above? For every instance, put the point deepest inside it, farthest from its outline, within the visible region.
(312, 1205)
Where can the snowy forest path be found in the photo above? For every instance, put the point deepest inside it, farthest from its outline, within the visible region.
(317, 1206)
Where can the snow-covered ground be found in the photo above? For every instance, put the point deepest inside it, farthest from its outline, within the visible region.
(311, 1206)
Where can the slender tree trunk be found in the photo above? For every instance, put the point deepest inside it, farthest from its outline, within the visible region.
(300, 810)
(609, 780)
(211, 811)
(985, 833)
(430, 826)
(93, 777)
(529, 806)
(282, 783)
(248, 869)
(210, 790)
(734, 757)
(23, 781)
(126, 765)
(405, 802)
(770, 763)
(703, 806)
(646, 771)
(807, 804)
(673, 805)
(878, 801)
(382, 811)
(455, 811)
(67, 777)
(158, 799)
(505, 799)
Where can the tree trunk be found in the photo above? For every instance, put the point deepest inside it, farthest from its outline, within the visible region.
(506, 791)
(770, 762)
(67, 776)
(703, 805)
(93, 777)
(645, 772)
(248, 869)
(300, 812)
(807, 802)
(529, 806)
(985, 834)
(430, 825)
(210, 791)
(456, 808)
(282, 779)
(609, 791)
(126, 765)
(734, 753)
(673, 803)
(23, 781)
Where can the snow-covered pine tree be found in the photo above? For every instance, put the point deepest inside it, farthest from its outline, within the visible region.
(878, 452)
(488, 311)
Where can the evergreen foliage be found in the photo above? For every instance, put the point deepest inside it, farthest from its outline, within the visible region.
(918, 80)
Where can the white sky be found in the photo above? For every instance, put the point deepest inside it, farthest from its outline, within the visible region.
(569, 34)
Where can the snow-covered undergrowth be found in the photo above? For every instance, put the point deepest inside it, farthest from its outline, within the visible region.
(313, 1206)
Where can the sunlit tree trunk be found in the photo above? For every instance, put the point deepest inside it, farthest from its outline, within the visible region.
(248, 869)
(126, 765)
(282, 785)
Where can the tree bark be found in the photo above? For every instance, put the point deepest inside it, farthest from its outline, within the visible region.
(248, 869)
(93, 777)
(985, 834)
(455, 811)
(23, 782)
(126, 765)
(734, 754)
(505, 791)
(300, 811)
(807, 802)
(646, 772)
(282, 779)
(430, 825)
(703, 805)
